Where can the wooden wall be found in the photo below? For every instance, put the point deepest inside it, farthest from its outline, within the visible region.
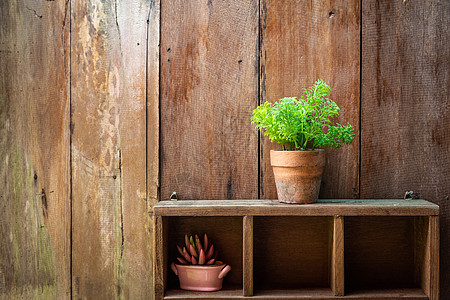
(108, 106)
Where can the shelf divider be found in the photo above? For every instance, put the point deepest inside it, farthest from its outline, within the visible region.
(337, 257)
(160, 253)
(248, 255)
(433, 266)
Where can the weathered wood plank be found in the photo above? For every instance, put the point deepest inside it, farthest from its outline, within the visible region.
(34, 150)
(111, 236)
(311, 294)
(248, 255)
(405, 88)
(337, 257)
(301, 42)
(160, 257)
(153, 43)
(152, 163)
(326, 207)
(208, 91)
(433, 293)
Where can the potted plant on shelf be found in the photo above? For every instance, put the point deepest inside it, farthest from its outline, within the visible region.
(303, 128)
(197, 267)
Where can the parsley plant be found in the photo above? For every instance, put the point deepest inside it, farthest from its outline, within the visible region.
(305, 123)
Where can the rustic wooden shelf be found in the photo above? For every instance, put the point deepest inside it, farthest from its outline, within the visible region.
(274, 208)
(312, 294)
(332, 249)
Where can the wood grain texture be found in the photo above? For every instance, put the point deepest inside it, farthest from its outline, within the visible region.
(405, 106)
(160, 257)
(248, 255)
(434, 258)
(311, 294)
(291, 252)
(111, 236)
(152, 144)
(337, 257)
(208, 91)
(34, 150)
(153, 83)
(326, 207)
(300, 43)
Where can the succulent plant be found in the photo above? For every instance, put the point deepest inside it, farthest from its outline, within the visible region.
(194, 252)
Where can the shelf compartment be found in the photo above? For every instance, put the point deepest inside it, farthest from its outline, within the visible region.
(380, 253)
(292, 252)
(224, 232)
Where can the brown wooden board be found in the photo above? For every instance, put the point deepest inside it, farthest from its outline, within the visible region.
(248, 255)
(337, 257)
(153, 50)
(405, 106)
(34, 150)
(324, 207)
(152, 144)
(161, 266)
(300, 43)
(310, 294)
(434, 258)
(111, 226)
(208, 91)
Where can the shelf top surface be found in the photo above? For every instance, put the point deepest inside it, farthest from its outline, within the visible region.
(323, 207)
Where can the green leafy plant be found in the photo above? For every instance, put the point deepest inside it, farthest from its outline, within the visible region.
(194, 252)
(304, 123)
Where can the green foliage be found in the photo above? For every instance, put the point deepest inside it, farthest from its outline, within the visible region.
(305, 123)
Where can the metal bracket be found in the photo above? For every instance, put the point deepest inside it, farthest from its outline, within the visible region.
(174, 196)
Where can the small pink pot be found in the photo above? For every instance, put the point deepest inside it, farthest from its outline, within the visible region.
(200, 278)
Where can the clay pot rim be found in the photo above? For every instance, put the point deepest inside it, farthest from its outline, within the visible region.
(201, 267)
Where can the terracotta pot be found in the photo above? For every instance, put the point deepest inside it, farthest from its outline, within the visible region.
(298, 174)
(200, 278)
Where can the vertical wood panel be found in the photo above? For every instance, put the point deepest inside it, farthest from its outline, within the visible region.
(160, 257)
(301, 42)
(34, 150)
(337, 260)
(153, 42)
(405, 106)
(152, 180)
(434, 259)
(248, 255)
(208, 91)
(111, 227)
